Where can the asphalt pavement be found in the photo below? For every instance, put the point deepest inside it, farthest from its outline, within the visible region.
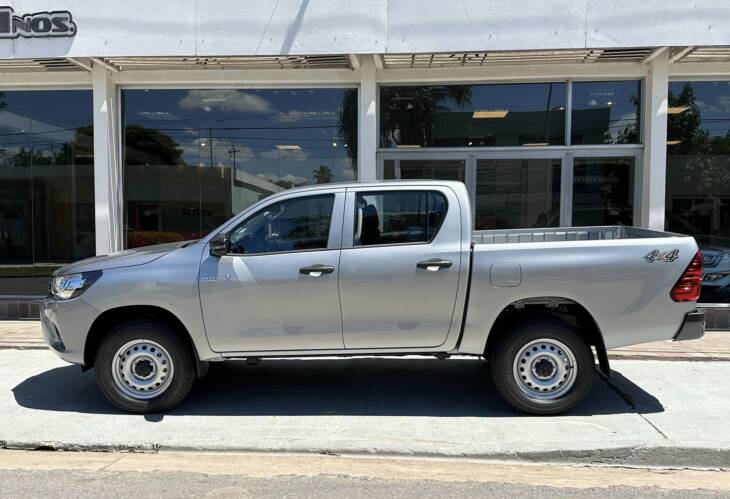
(657, 412)
(79, 484)
(206, 474)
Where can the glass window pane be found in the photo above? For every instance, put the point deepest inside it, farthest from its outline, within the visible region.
(398, 217)
(293, 225)
(194, 158)
(526, 114)
(606, 112)
(517, 193)
(603, 191)
(46, 186)
(698, 176)
(425, 169)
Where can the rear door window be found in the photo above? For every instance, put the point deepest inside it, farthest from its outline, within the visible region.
(398, 217)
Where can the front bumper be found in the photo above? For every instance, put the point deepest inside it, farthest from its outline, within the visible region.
(65, 324)
(693, 326)
(51, 334)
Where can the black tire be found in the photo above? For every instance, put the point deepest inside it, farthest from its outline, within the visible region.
(502, 361)
(181, 357)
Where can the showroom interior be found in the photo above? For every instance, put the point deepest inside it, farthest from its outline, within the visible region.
(103, 154)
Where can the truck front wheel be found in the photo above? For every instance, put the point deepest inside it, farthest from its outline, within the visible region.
(542, 367)
(143, 366)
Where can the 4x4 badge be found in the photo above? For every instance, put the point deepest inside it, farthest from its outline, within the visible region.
(662, 256)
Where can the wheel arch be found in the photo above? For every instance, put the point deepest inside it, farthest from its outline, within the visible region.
(103, 324)
(565, 309)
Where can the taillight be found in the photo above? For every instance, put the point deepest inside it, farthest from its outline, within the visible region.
(688, 286)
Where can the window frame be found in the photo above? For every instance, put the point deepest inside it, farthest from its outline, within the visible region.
(335, 229)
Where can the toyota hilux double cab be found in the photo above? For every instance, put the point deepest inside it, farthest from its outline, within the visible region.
(387, 268)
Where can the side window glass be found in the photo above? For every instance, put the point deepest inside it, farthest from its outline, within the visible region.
(291, 225)
(398, 217)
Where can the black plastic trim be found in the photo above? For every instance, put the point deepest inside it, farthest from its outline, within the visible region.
(693, 326)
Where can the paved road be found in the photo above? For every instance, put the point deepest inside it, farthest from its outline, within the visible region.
(75, 484)
(663, 412)
(54, 474)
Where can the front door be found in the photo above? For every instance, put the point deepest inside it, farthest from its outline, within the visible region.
(276, 290)
(399, 267)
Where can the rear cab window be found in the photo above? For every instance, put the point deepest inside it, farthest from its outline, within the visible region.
(398, 217)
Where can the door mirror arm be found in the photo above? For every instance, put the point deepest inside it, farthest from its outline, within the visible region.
(219, 245)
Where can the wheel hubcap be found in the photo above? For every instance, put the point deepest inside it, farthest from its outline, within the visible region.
(545, 369)
(142, 369)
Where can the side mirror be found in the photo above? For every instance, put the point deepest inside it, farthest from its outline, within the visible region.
(219, 245)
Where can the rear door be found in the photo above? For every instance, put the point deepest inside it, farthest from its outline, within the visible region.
(399, 266)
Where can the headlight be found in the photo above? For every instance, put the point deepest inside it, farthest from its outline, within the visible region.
(70, 286)
(715, 277)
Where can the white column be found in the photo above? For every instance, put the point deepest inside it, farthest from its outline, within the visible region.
(654, 172)
(367, 143)
(107, 170)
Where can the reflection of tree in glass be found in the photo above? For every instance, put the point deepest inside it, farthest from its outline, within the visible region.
(630, 133)
(309, 231)
(79, 150)
(406, 115)
(704, 165)
(145, 146)
(348, 122)
(323, 175)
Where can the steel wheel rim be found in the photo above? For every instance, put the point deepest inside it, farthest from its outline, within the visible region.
(142, 369)
(545, 369)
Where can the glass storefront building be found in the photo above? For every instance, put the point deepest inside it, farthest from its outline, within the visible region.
(101, 153)
(194, 158)
(46, 186)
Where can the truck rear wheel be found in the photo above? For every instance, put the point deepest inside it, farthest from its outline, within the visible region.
(542, 367)
(143, 366)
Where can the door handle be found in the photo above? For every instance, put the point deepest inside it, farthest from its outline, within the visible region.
(434, 264)
(316, 270)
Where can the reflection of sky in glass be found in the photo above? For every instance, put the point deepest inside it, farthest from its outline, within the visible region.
(274, 133)
(41, 120)
(617, 97)
(713, 101)
(516, 97)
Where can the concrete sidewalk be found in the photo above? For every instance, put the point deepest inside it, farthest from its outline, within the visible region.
(663, 413)
(714, 345)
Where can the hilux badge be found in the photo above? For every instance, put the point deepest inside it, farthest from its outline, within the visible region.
(662, 256)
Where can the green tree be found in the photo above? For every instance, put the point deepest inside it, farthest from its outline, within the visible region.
(323, 175)
(150, 146)
(407, 114)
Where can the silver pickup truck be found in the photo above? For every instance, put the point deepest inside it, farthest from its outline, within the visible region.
(387, 268)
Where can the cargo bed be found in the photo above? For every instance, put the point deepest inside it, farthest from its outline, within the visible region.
(563, 234)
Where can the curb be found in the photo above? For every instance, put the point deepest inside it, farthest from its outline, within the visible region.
(684, 357)
(23, 347)
(666, 456)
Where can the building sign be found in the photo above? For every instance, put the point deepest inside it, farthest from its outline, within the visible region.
(37, 25)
